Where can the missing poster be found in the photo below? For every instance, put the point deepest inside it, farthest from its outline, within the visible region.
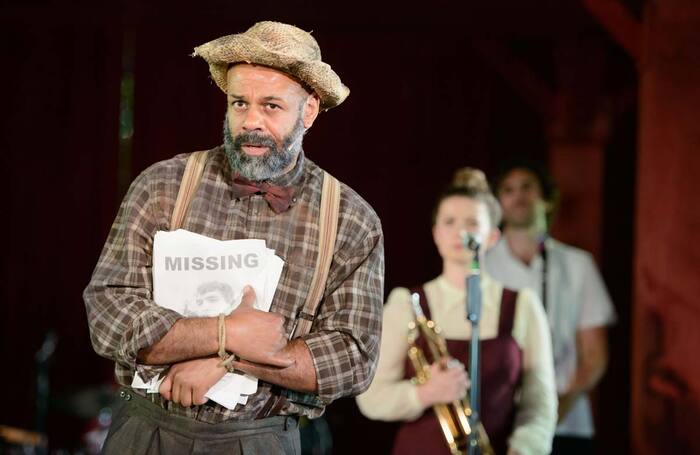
(198, 276)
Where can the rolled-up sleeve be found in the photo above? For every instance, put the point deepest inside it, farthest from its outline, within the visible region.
(122, 316)
(344, 339)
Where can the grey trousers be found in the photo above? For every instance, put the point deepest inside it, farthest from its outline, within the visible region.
(141, 427)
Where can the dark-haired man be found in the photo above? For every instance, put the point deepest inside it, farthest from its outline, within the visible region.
(211, 299)
(576, 301)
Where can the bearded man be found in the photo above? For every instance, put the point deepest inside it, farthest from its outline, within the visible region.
(258, 185)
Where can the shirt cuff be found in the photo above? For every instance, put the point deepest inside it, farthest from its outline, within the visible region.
(413, 404)
(334, 363)
(146, 330)
(148, 372)
(529, 442)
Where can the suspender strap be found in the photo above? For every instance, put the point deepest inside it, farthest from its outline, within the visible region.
(327, 231)
(188, 186)
(505, 320)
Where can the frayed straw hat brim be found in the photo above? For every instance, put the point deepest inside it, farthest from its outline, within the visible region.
(290, 50)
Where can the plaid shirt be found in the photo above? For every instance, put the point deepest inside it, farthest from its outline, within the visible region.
(344, 339)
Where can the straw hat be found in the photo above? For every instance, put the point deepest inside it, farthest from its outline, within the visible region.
(280, 46)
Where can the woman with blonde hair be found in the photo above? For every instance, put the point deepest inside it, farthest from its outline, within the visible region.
(518, 397)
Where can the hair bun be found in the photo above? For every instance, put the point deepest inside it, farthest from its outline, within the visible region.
(471, 179)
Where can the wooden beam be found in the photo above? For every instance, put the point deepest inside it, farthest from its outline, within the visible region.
(622, 26)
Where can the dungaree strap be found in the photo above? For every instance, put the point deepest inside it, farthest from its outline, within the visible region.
(505, 321)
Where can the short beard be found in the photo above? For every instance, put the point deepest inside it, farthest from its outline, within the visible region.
(274, 163)
(519, 223)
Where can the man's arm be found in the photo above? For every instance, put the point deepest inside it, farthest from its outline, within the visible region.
(592, 361)
(187, 382)
(188, 338)
(299, 376)
(199, 337)
(122, 316)
(344, 341)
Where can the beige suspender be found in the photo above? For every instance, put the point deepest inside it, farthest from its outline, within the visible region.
(188, 186)
(327, 231)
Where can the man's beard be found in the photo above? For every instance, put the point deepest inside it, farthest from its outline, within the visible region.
(270, 165)
(523, 221)
(535, 218)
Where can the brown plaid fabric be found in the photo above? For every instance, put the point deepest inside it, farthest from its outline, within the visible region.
(344, 339)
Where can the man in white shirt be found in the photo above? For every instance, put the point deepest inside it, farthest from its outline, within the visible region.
(577, 303)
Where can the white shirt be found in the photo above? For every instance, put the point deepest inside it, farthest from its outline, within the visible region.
(576, 299)
(391, 397)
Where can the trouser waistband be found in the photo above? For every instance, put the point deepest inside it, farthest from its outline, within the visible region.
(196, 429)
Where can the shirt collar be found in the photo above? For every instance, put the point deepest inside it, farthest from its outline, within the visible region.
(534, 265)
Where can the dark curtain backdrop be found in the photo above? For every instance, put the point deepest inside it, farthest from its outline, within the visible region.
(60, 85)
(422, 104)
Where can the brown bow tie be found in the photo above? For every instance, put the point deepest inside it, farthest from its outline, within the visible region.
(279, 198)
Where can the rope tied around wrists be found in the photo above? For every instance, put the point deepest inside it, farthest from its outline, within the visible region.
(226, 358)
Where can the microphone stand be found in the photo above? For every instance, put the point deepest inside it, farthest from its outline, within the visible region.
(43, 359)
(474, 316)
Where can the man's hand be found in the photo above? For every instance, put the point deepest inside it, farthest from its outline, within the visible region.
(566, 402)
(592, 360)
(255, 335)
(446, 383)
(187, 382)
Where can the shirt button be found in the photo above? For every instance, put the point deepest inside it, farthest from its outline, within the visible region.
(294, 199)
(256, 211)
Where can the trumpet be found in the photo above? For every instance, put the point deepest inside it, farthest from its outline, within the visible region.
(453, 417)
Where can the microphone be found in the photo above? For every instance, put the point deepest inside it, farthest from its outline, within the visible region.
(471, 240)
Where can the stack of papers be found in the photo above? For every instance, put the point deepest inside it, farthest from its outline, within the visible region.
(198, 276)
